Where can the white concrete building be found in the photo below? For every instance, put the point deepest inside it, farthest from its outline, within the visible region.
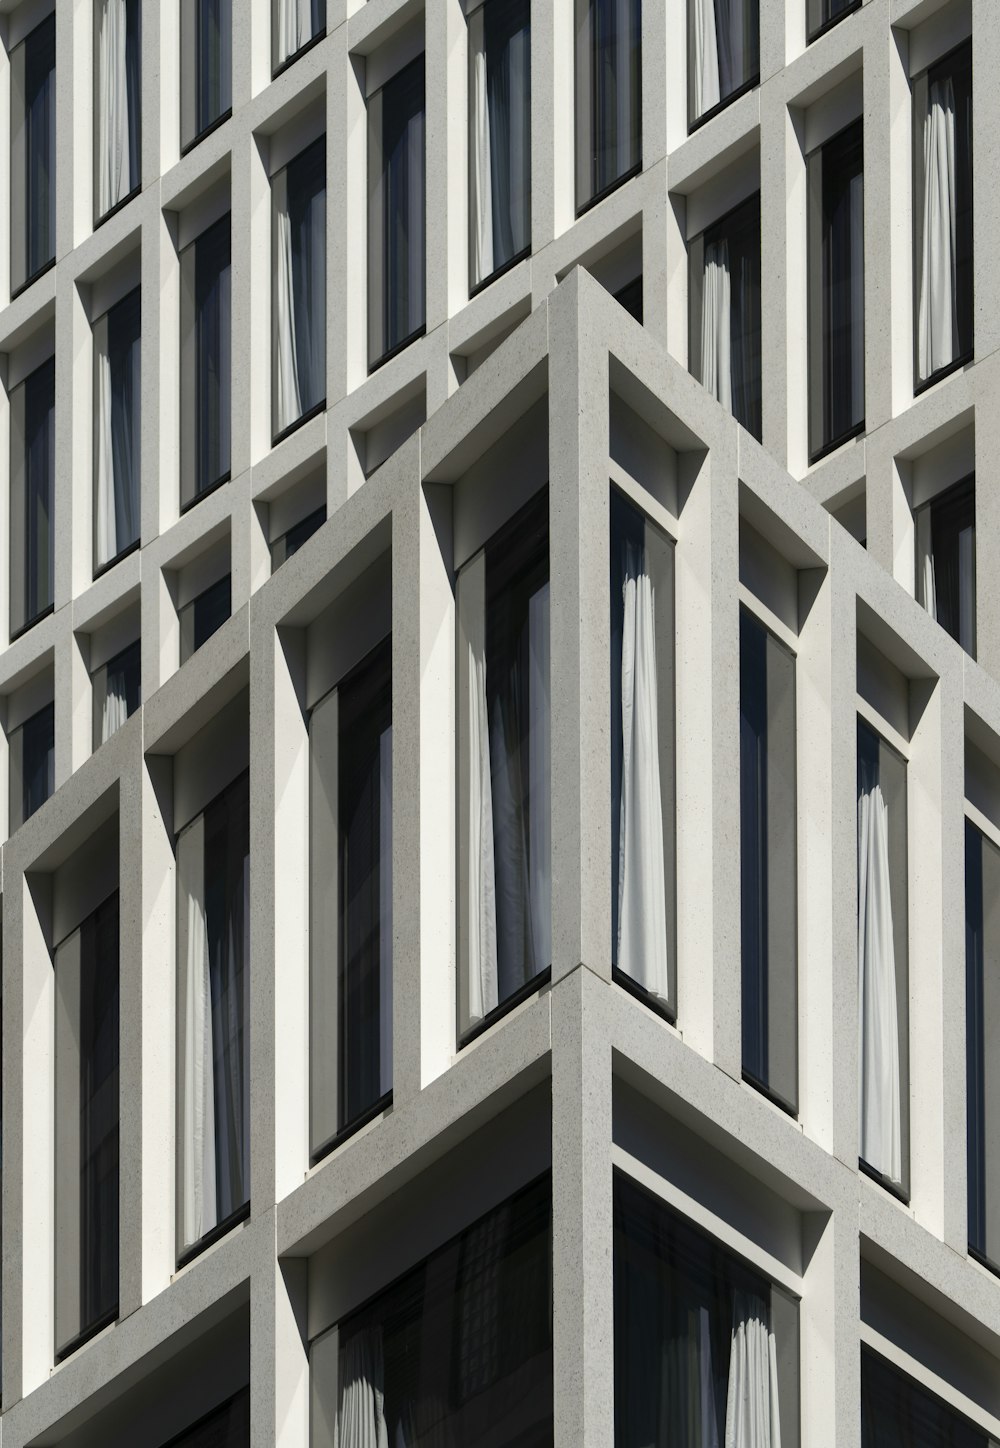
(501, 514)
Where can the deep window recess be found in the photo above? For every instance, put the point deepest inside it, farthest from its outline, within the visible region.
(117, 107)
(608, 95)
(836, 291)
(32, 765)
(117, 401)
(297, 23)
(725, 312)
(946, 561)
(32, 493)
(116, 692)
(205, 615)
(500, 135)
(86, 1128)
(768, 870)
(291, 541)
(942, 154)
(505, 881)
(33, 154)
(299, 307)
(821, 14)
(227, 1426)
(630, 297)
(350, 805)
(706, 1349)
(643, 897)
(897, 1412)
(206, 360)
(213, 1018)
(723, 52)
(457, 1351)
(396, 205)
(206, 66)
(982, 1022)
(883, 975)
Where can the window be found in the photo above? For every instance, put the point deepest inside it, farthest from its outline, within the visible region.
(213, 1018)
(32, 492)
(897, 1412)
(982, 1016)
(692, 1322)
(942, 153)
(836, 291)
(206, 361)
(946, 561)
(723, 53)
(297, 23)
(821, 14)
(117, 106)
(643, 903)
(500, 135)
(457, 1351)
(227, 1426)
(725, 312)
(350, 744)
(117, 435)
(505, 879)
(86, 1128)
(608, 95)
(206, 66)
(300, 287)
(768, 869)
(291, 541)
(116, 692)
(883, 977)
(205, 615)
(396, 212)
(32, 765)
(33, 154)
(630, 297)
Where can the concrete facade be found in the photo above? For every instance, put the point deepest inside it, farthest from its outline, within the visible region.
(539, 379)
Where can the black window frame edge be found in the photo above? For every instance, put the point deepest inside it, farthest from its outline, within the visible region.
(118, 206)
(713, 111)
(30, 281)
(220, 1230)
(887, 1365)
(220, 120)
(381, 1107)
(82, 1338)
(303, 49)
(501, 270)
(534, 986)
(298, 422)
(31, 622)
(834, 20)
(595, 200)
(226, 477)
(634, 988)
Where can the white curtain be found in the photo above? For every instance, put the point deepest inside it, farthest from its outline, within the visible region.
(716, 362)
(706, 57)
(107, 533)
(295, 26)
(539, 814)
(642, 905)
(362, 1399)
(936, 315)
(752, 1401)
(200, 1213)
(929, 589)
(114, 180)
(482, 178)
(385, 911)
(115, 703)
(289, 399)
(878, 1041)
(481, 900)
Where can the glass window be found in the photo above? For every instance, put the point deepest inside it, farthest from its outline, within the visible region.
(299, 308)
(946, 561)
(768, 870)
(32, 493)
(500, 135)
(691, 1322)
(643, 896)
(982, 1022)
(457, 1351)
(213, 1018)
(897, 1412)
(350, 743)
(883, 975)
(505, 879)
(205, 615)
(116, 692)
(227, 1426)
(396, 212)
(117, 430)
(608, 95)
(297, 23)
(291, 541)
(821, 14)
(32, 765)
(723, 52)
(206, 361)
(630, 297)
(33, 154)
(942, 154)
(117, 104)
(836, 291)
(725, 312)
(86, 1128)
(206, 66)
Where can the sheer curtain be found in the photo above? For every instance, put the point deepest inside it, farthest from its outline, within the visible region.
(509, 90)
(230, 1015)
(878, 1044)
(481, 889)
(301, 287)
(706, 57)
(288, 400)
(937, 317)
(642, 907)
(362, 1398)
(298, 22)
(199, 1212)
(115, 704)
(125, 392)
(716, 325)
(107, 545)
(482, 170)
(114, 173)
(752, 1401)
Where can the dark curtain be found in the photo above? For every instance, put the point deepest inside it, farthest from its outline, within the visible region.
(39, 480)
(306, 192)
(897, 1413)
(753, 844)
(628, 541)
(975, 1066)
(403, 212)
(227, 1426)
(133, 88)
(741, 232)
(952, 514)
(737, 29)
(213, 353)
(37, 760)
(507, 39)
(99, 1115)
(40, 144)
(843, 285)
(616, 117)
(214, 42)
(124, 360)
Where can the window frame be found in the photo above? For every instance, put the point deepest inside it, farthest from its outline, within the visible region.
(279, 205)
(694, 122)
(191, 358)
(814, 32)
(101, 329)
(191, 77)
(584, 62)
(134, 8)
(720, 229)
(19, 181)
(376, 261)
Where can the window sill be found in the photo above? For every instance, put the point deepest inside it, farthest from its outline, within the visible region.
(300, 421)
(75, 1343)
(696, 123)
(600, 196)
(103, 568)
(290, 60)
(498, 272)
(30, 281)
(395, 351)
(220, 1230)
(920, 387)
(377, 1108)
(655, 1004)
(834, 20)
(525, 992)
